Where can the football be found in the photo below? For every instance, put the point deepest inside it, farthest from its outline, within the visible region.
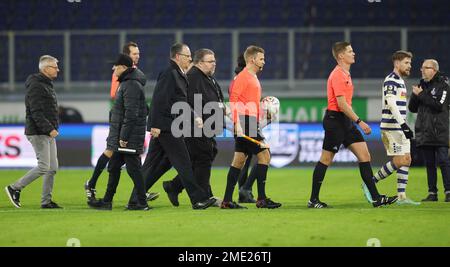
(270, 105)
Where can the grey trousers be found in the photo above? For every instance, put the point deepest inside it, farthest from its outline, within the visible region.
(45, 148)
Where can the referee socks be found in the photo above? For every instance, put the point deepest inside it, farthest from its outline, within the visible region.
(232, 178)
(318, 176)
(367, 175)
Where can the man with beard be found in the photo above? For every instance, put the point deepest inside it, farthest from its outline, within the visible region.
(395, 133)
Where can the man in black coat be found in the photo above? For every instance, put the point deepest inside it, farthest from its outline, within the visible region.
(41, 129)
(126, 133)
(430, 101)
(167, 146)
(202, 146)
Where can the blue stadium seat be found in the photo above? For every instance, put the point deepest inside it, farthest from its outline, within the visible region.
(220, 44)
(28, 49)
(90, 56)
(4, 55)
(276, 54)
(154, 52)
(429, 44)
(21, 15)
(315, 58)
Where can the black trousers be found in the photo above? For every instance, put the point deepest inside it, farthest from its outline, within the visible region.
(202, 151)
(133, 165)
(436, 156)
(166, 152)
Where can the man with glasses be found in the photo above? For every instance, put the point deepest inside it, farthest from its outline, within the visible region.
(202, 147)
(430, 101)
(167, 148)
(41, 129)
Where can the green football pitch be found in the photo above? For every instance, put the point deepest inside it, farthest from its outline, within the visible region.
(351, 221)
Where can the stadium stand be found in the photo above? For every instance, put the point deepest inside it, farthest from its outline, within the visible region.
(4, 54)
(90, 52)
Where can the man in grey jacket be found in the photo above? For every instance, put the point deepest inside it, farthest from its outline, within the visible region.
(41, 129)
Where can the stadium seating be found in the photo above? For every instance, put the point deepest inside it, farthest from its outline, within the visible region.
(91, 55)
(314, 59)
(220, 44)
(373, 53)
(89, 52)
(276, 48)
(154, 52)
(29, 48)
(28, 14)
(4, 55)
(429, 44)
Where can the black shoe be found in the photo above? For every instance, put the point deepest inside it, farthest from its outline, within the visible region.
(152, 196)
(431, 197)
(51, 205)
(384, 200)
(13, 195)
(173, 196)
(90, 191)
(231, 205)
(100, 205)
(137, 207)
(447, 197)
(204, 204)
(317, 204)
(267, 203)
(246, 196)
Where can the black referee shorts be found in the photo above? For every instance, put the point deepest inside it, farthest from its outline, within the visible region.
(251, 128)
(339, 129)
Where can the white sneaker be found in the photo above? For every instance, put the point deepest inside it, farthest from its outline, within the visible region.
(218, 202)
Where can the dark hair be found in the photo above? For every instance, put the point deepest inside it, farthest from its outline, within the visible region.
(176, 49)
(240, 64)
(400, 55)
(126, 47)
(338, 48)
(252, 50)
(201, 53)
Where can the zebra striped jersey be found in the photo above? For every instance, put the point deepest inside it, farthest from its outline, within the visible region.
(394, 86)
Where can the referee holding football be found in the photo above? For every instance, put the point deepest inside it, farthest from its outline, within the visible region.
(245, 95)
(339, 124)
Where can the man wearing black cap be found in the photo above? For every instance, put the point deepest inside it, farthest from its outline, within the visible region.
(126, 133)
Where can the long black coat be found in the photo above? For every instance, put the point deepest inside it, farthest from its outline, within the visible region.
(432, 109)
(41, 105)
(170, 88)
(129, 113)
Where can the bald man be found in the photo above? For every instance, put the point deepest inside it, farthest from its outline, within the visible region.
(430, 101)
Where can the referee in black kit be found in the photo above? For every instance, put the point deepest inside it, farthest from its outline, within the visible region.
(165, 150)
(126, 133)
(202, 147)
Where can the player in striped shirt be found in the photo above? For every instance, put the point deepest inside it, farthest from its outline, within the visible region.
(395, 133)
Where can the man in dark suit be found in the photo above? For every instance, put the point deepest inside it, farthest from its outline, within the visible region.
(167, 147)
(204, 90)
(126, 133)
